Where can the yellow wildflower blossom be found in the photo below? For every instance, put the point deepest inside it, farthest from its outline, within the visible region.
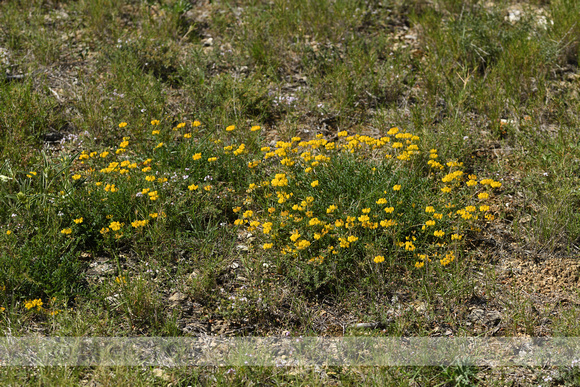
(115, 226)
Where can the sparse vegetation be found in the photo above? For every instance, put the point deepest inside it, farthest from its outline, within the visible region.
(179, 168)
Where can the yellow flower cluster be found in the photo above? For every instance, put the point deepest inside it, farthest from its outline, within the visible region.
(301, 225)
(140, 223)
(30, 304)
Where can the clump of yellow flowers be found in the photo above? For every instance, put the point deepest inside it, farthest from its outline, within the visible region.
(312, 202)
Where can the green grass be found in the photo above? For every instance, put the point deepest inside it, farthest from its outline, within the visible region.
(499, 96)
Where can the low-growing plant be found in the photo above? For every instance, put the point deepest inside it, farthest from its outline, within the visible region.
(326, 213)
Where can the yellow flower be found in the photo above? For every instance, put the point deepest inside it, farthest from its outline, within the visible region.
(279, 180)
(483, 208)
(78, 221)
(446, 189)
(154, 132)
(66, 231)
(121, 280)
(115, 226)
(267, 227)
(192, 187)
(146, 169)
(419, 265)
(155, 122)
(363, 218)
(331, 209)
(196, 156)
(471, 183)
(8, 232)
(239, 222)
(387, 223)
(267, 246)
(153, 215)
(248, 214)
(314, 222)
(339, 223)
(352, 238)
(379, 259)
(230, 128)
(111, 188)
(303, 244)
(455, 237)
(483, 196)
(389, 210)
(207, 188)
(159, 145)
(397, 187)
(211, 159)
(255, 128)
(187, 135)
(382, 201)
(153, 195)
(139, 223)
(449, 257)
(429, 209)
(195, 123)
(314, 183)
(122, 124)
(295, 235)
(439, 233)
(150, 178)
(104, 154)
(495, 184)
(29, 304)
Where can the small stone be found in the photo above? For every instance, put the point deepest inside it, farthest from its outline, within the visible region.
(159, 373)
(113, 300)
(178, 297)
